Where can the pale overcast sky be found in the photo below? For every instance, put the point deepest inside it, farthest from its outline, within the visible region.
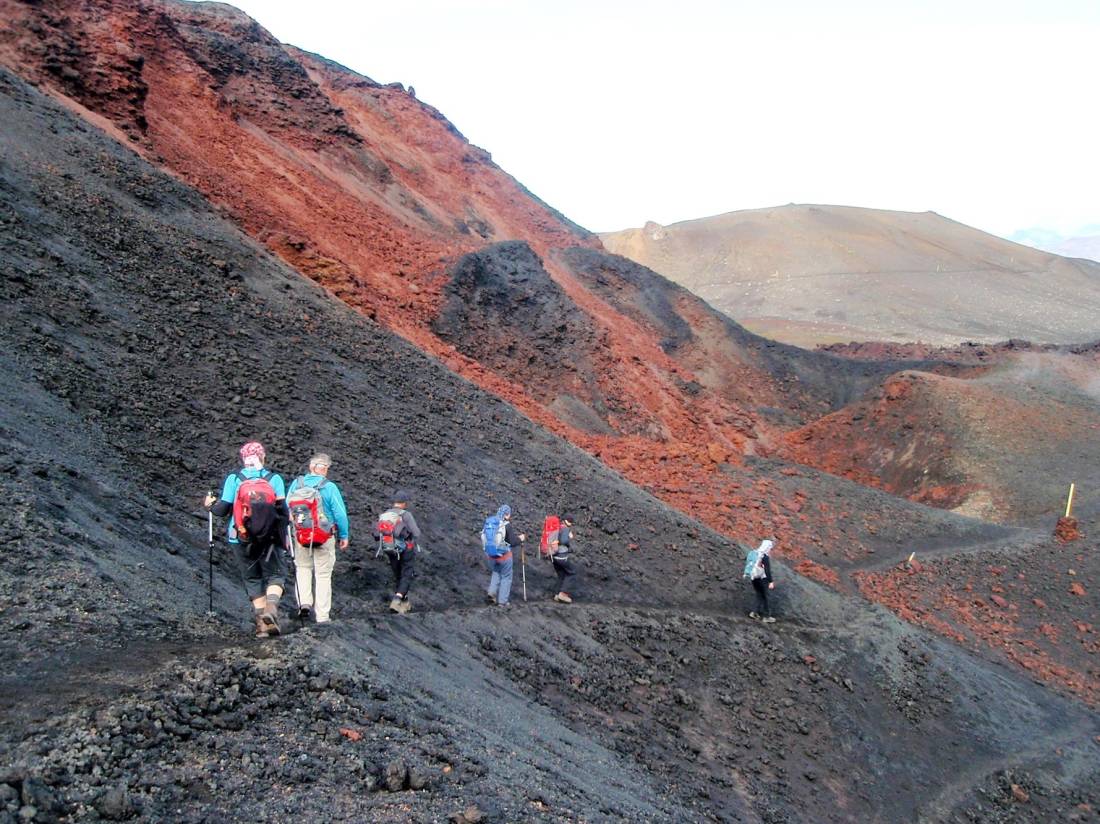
(622, 112)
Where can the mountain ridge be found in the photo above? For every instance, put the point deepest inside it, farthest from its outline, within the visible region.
(813, 274)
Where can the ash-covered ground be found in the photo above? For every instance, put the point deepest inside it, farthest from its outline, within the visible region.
(144, 338)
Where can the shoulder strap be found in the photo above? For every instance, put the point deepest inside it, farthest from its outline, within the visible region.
(323, 482)
(241, 476)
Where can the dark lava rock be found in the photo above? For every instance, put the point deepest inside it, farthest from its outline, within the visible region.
(417, 779)
(115, 804)
(43, 798)
(395, 775)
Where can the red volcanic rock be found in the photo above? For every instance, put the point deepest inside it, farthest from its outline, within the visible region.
(1076, 589)
(999, 601)
(718, 453)
(1067, 530)
(1019, 794)
(351, 734)
(897, 388)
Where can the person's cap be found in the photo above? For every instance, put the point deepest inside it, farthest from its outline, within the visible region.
(567, 518)
(252, 448)
(402, 496)
(320, 459)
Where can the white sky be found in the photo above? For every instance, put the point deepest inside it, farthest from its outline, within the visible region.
(617, 112)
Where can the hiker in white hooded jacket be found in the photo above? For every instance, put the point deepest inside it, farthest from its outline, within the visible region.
(762, 582)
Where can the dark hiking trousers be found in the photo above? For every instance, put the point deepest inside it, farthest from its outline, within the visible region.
(402, 565)
(565, 571)
(761, 587)
(261, 567)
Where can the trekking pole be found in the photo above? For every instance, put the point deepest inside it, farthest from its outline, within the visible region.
(523, 568)
(294, 566)
(210, 562)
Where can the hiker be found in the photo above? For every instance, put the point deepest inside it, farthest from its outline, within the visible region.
(256, 499)
(498, 539)
(559, 554)
(761, 576)
(318, 518)
(397, 534)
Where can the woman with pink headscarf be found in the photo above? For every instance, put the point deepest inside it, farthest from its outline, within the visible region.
(255, 498)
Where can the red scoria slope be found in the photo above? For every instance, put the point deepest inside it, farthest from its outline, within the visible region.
(1002, 444)
(375, 195)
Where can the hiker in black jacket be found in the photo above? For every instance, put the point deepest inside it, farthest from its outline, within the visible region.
(560, 556)
(762, 582)
(398, 533)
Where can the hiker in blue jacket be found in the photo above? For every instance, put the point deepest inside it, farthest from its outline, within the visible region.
(498, 539)
(256, 532)
(315, 543)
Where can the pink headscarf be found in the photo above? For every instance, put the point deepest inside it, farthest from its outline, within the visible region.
(252, 455)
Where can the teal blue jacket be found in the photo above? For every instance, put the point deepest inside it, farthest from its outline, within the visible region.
(331, 499)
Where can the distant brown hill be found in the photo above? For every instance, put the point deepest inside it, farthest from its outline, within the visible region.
(823, 274)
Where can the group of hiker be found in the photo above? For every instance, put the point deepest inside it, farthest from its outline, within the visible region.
(308, 521)
(499, 539)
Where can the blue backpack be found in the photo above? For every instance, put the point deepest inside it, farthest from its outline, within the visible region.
(751, 561)
(492, 536)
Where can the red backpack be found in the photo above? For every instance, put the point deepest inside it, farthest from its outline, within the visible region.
(391, 533)
(250, 492)
(307, 513)
(549, 540)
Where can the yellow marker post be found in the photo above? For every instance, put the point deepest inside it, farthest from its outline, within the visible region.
(1069, 501)
(912, 555)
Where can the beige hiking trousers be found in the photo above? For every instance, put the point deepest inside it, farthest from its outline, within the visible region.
(318, 561)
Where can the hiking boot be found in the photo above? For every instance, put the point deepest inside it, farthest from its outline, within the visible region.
(490, 598)
(269, 618)
(261, 630)
(563, 598)
(305, 612)
(404, 606)
(395, 604)
(755, 616)
(767, 619)
(270, 625)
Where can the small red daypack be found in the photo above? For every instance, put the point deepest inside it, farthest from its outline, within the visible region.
(549, 542)
(307, 513)
(250, 492)
(392, 536)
